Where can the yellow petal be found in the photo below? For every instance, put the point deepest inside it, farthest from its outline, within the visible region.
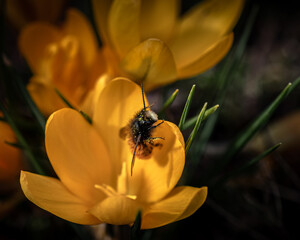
(119, 101)
(44, 96)
(152, 62)
(123, 25)
(101, 11)
(155, 177)
(33, 41)
(158, 18)
(117, 210)
(77, 154)
(51, 195)
(213, 16)
(202, 28)
(77, 25)
(180, 203)
(209, 58)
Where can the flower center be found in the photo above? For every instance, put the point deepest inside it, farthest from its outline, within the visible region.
(121, 186)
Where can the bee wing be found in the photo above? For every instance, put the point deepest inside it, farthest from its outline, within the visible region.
(123, 132)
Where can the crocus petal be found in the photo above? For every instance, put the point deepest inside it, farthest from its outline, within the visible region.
(154, 178)
(209, 58)
(33, 41)
(89, 104)
(113, 113)
(44, 96)
(152, 62)
(202, 28)
(213, 15)
(123, 25)
(158, 18)
(78, 26)
(10, 156)
(180, 203)
(101, 11)
(51, 195)
(117, 210)
(77, 154)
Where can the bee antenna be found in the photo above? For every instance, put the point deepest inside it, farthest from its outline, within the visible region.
(143, 94)
(133, 156)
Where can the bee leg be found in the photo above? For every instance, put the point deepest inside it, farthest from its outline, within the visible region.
(151, 142)
(133, 156)
(155, 126)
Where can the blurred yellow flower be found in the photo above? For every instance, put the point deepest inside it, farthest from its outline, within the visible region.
(148, 38)
(10, 157)
(66, 58)
(93, 164)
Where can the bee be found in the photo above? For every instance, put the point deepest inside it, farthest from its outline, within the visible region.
(139, 132)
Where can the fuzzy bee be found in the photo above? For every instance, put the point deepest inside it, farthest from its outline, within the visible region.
(139, 133)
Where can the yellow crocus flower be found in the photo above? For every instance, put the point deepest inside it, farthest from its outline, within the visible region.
(66, 58)
(93, 164)
(147, 39)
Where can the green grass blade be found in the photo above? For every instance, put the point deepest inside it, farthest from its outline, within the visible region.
(186, 108)
(256, 125)
(246, 166)
(196, 128)
(169, 101)
(34, 109)
(22, 141)
(192, 121)
(64, 99)
(135, 232)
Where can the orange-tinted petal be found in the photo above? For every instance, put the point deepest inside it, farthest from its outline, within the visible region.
(202, 27)
(51, 195)
(180, 203)
(33, 41)
(101, 11)
(10, 156)
(119, 101)
(152, 62)
(78, 26)
(117, 210)
(77, 154)
(91, 100)
(44, 96)
(209, 58)
(154, 178)
(158, 18)
(124, 25)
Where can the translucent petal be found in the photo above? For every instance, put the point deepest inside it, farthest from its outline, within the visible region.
(77, 154)
(180, 203)
(51, 195)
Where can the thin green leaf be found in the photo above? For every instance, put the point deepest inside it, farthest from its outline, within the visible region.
(34, 109)
(64, 99)
(196, 128)
(224, 78)
(186, 108)
(169, 101)
(247, 165)
(86, 117)
(135, 232)
(22, 141)
(191, 122)
(255, 126)
(16, 145)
